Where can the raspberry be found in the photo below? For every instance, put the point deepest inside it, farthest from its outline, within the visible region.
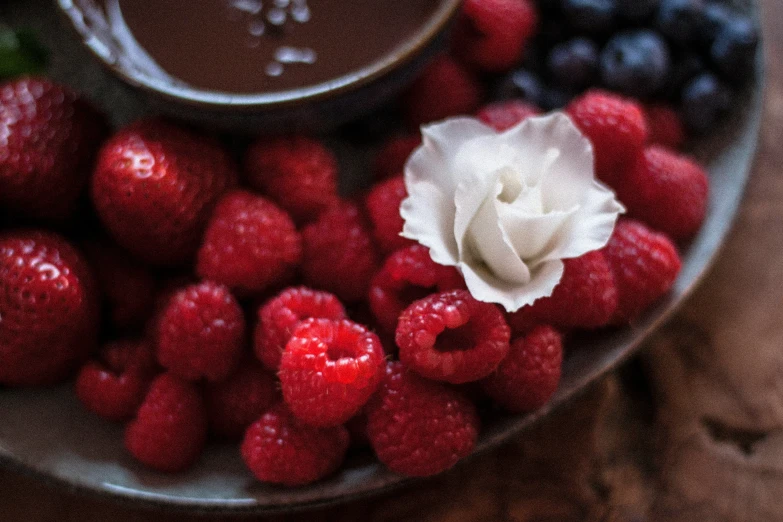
(393, 155)
(408, 275)
(338, 253)
(249, 245)
(237, 402)
(419, 427)
(667, 191)
(155, 186)
(170, 428)
(298, 173)
(452, 337)
(492, 34)
(280, 316)
(444, 89)
(586, 297)
(279, 449)
(329, 370)
(664, 126)
(49, 141)
(114, 386)
(201, 332)
(645, 265)
(128, 288)
(529, 376)
(502, 116)
(383, 207)
(615, 126)
(48, 308)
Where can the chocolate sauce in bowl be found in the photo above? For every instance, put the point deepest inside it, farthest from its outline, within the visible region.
(253, 46)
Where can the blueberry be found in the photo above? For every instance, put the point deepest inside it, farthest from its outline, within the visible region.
(685, 67)
(637, 10)
(555, 98)
(704, 100)
(734, 49)
(714, 18)
(679, 20)
(574, 63)
(591, 16)
(522, 84)
(636, 63)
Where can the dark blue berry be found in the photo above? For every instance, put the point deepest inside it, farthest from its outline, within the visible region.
(680, 20)
(685, 68)
(573, 64)
(555, 98)
(704, 100)
(715, 17)
(635, 63)
(637, 10)
(522, 84)
(591, 16)
(734, 49)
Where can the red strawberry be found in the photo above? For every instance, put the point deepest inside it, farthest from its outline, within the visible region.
(615, 126)
(48, 140)
(48, 308)
(667, 191)
(155, 186)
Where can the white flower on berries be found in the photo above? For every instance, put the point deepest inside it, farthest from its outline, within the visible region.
(507, 208)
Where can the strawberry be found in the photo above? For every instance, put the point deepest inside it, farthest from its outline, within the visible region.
(155, 186)
(48, 140)
(48, 308)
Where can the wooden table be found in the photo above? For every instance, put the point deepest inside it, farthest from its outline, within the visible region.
(692, 431)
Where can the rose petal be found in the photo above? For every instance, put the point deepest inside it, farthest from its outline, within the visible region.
(535, 237)
(486, 287)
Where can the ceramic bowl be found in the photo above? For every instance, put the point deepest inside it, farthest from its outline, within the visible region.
(312, 109)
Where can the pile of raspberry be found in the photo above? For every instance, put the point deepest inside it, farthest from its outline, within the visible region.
(200, 295)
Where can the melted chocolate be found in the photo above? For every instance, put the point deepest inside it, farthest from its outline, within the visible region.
(251, 46)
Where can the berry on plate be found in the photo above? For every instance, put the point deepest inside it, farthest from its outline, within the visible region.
(586, 297)
(667, 191)
(279, 317)
(339, 254)
(664, 126)
(127, 288)
(48, 140)
(615, 126)
(170, 428)
(279, 449)
(452, 337)
(201, 332)
(444, 89)
(529, 376)
(635, 63)
(250, 244)
(383, 208)
(492, 34)
(406, 276)
(644, 264)
(574, 63)
(155, 186)
(503, 115)
(237, 402)
(114, 385)
(297, 173)
(391, 157)
(48, 308)
(329, 370)
(418, 427)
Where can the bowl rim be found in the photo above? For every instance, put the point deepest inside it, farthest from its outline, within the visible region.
(403, 53)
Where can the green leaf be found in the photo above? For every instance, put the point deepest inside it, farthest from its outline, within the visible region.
(20, 53)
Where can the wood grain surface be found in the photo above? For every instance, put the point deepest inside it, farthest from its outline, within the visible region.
(692, 431)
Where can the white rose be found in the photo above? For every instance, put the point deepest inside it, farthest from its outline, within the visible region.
(507, 208)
